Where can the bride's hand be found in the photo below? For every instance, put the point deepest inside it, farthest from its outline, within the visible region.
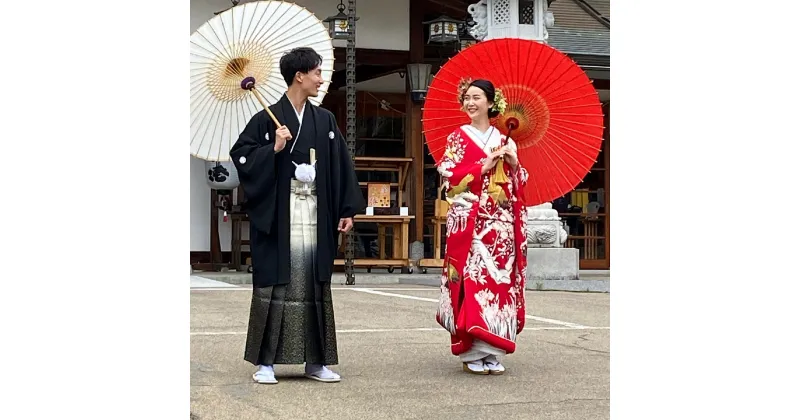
(491, 161)
(511, 157)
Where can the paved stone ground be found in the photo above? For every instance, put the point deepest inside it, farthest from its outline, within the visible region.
(590, 280)
(396, 364)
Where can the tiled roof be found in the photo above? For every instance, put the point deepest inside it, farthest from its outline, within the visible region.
(576, 31)
(602, 6)
(580, 41)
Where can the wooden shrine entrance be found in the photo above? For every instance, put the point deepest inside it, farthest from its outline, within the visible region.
(586, 211)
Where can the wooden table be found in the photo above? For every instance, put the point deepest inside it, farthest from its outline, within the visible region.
(436, 261)
(399, 258)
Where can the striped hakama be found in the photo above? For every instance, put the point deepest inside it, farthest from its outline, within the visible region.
(294, 323)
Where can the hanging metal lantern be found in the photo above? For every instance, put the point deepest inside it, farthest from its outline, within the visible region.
(443, 30)
(338, 27)
(419, 77)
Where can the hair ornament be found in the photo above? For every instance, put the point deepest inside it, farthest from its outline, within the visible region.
(463, 85)
(500, 103)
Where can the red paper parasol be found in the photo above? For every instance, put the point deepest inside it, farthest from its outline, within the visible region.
(553, 112)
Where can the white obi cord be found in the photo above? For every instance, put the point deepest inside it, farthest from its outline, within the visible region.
(304, 172)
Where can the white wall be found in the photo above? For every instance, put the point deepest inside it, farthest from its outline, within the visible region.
(391, 83)
(199, 207)
(383, 24)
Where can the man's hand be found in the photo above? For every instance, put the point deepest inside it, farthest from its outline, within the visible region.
(282, 135)
(345, 224)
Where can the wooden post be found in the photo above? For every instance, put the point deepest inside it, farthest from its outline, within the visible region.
(607, 165)
(216, 249)
(349, 253)
(415, 145)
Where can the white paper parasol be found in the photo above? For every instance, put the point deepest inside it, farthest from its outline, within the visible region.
(235, 69)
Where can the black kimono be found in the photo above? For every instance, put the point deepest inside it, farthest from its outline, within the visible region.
(291, 315)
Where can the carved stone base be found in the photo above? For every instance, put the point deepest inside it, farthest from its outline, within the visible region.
(552, 264)
(545, 229)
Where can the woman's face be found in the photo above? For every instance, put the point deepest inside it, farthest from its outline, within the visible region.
(475, 103)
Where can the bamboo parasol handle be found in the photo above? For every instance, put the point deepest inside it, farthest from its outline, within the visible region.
(499, 175)
(249, 83)
(511, 124)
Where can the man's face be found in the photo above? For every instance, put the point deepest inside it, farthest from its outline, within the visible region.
(311, 82)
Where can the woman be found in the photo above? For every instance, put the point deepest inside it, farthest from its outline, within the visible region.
(482, 303)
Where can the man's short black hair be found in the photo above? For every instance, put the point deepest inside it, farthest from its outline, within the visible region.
(301, 60)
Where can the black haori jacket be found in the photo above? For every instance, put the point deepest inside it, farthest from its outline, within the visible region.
(266, 178)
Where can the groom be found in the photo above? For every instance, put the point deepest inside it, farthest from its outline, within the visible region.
(302, 192)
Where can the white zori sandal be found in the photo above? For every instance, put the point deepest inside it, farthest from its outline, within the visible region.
(475, 367)
(321, 373)
(493, 365)
(265, 375)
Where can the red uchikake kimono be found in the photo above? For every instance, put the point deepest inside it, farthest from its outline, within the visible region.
(483, 278)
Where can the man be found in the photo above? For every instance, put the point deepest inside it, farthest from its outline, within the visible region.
(302, 192)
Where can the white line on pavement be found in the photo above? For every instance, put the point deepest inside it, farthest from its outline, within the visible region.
(429, 289)
(381, 292)
(391, 330)
(247, 287)
(533, 317)
(557, 322)
(368, 330)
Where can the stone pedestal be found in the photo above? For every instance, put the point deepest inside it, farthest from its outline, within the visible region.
(552, 264)
(547, 257)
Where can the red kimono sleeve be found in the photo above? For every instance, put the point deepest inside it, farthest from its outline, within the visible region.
(457, 171)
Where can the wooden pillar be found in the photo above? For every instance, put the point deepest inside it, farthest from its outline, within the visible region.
(415, 144)
(216, 248)
(607, 165)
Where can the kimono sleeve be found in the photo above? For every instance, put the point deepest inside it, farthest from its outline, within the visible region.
(352, 200)
(254, 158)
(460, 175)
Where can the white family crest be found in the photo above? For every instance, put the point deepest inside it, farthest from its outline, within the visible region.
(266, 136)
(331, 135)
(242, 160)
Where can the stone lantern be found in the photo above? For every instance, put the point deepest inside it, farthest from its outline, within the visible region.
(526, 19)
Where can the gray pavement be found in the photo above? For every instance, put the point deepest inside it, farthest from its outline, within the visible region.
(396, 364)
(590, 280)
